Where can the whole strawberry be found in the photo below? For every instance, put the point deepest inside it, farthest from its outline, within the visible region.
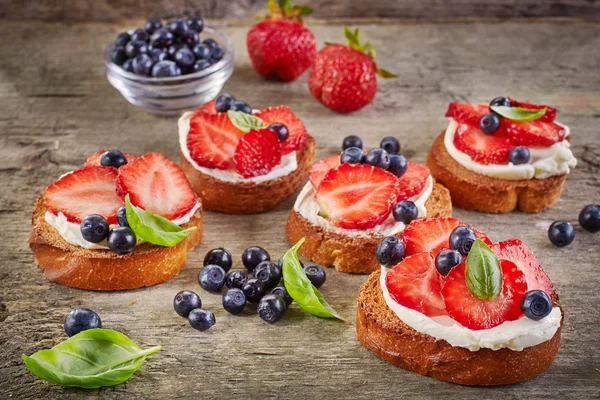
(281, 47)
(343, 77)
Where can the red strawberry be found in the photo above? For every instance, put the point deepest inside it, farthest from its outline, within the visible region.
(516, 251)
(90, 190)
(257, 153)
(320, 169)
(281, 47)
(534, 133)
(212, 140)
(357, 196)
(413, 181)
(548, 116)
(157, 185)
(415, 283)
(482, 148)
(477, 314)
(343, 78)
(284, 115)
(93, 159)
(208, 108)
(467, 113)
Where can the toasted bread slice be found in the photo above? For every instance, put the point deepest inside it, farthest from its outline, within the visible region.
(249, 197)
(472, 191)
(75, 266)
(347, 253)
(381, 331)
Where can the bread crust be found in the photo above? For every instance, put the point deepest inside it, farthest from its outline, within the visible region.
(382, 332)
(472, 191)
(249, 197)
(348, 253)
(75, 266)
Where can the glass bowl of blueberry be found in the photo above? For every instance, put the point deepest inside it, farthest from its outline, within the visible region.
(166, 68)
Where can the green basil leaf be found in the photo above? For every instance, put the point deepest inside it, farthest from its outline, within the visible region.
(301, 289)
(245, 122)
(154, 228)
(518, 113)
(91, 359)
(483, 273)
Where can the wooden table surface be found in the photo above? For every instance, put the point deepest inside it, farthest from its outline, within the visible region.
(56, 107)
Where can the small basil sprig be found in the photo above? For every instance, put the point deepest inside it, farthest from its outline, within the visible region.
(245, 122)
(483, 273)
(91, 359)
(154, 228)
(301, 289)
(519, 113)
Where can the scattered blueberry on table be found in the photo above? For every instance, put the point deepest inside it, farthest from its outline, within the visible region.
(80, 320)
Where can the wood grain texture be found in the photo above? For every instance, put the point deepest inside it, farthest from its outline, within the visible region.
(57, 107)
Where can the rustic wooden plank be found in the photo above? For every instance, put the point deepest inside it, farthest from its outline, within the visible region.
(57, 107)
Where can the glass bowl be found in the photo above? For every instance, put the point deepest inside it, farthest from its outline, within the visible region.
(174, 94)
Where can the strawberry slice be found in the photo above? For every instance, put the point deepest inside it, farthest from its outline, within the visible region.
(357, 196)
(93, 159)
(467, 113)
(89, 190)
(482, 148)
(158, 185)
(320, 169)
(257, 153)
(415, 283)
(285, 116)
(208, 108)
(413, 181)
(212, 140)
(548, 116)
(534, 133)
(477, 314)
(516, 251)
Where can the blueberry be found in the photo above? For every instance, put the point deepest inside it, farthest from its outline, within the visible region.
(352, 141)
(390, 251)
(94, 228)
(390, 144)
(271, 308)
(152, 25)
(241, 106)
(589, 217)
(316, 275)
(142, 65)
(165, 68)
(216, 54)
(136, 47)
(224, 102)
(118, 55)
(158, 55)
(254, 290)
(561, 233)
(236, 279)
(281, 130)
(282, 292)
(184, 58)
(352, 155)
(253, 256)
(462, 239)
(201, 65)
(489, 123)
(201, 319)
(127, 65)
(113, 158)
(378, 158)
(174, 48)
(191, 39)
(268, 273)
(398, 165)
(81, 319)
(122, 39)
(234, 301)
(501, 101)
(220, 257)
(179, 27)
(186, 301)
(121, 240)
(536, 304)
(405, 211)
(196, 24)
(446, 260)
(140, 34)
(519, 155)
(210, 43)
(122, 216)
(211, 278)
(161, 38)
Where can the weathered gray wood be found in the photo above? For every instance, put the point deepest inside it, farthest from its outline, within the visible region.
(56, 107)
(110, 10)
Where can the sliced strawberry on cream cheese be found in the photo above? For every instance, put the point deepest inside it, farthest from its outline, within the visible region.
(482, 148)
(413, 181)
(319, 169)
(257, 153)
(284, 115)
(534, 133)
(467, 113)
